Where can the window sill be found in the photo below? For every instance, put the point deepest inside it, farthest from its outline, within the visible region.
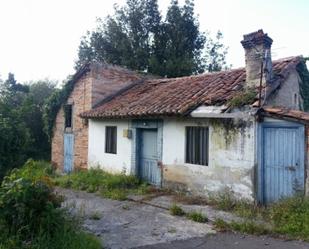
(195, 165)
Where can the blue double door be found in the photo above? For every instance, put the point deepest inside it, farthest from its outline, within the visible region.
(283, 172)
(148, 168)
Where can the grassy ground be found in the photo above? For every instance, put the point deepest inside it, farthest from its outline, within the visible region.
(288, 218)
(113, 186)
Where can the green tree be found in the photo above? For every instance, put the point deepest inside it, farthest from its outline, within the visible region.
(180, 43)
(215, 54)
(21, 123)
(124, 38)
(14, 135)
(33, 108)
(136, 37)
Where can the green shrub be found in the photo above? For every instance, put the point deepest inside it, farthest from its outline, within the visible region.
(34, 171)
(29, 207)
(246, 97)
(197, 217)
(176, 210)
(30, 213)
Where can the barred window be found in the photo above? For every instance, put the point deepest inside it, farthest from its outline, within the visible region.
(197, 145)
(111, 139)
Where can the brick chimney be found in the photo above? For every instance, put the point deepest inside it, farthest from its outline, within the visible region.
(257, 50)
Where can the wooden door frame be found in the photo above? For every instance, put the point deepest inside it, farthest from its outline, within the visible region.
(260, 152)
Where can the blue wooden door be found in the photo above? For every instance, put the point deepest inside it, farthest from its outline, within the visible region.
(68, 152)
(148, 162)
(283, 162)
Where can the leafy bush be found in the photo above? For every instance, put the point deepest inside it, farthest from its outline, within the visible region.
(29, 207)
(197, 217)
(34, 171)
(30, 213)
(176, 210)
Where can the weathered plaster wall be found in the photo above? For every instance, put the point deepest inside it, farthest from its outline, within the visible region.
(231, 157)
(288, 95)
(120, 162)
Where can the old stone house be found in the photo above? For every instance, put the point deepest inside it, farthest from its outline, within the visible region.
(236, 129)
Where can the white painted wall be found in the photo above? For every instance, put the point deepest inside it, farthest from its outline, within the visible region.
(231, 158)
(96, 150)
(231, 155)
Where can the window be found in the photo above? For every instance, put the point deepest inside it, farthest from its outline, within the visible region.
(111, 139)
(68, 116)
(197, 145)
(296, 100)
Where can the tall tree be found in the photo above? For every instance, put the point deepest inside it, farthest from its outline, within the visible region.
(181, 41)
(137, 38)
(14, 135)
(21, 123)
(125, 38)
(215, 54)
(33, 108)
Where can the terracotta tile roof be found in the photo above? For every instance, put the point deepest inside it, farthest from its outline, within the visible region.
(281, 112)
(178, 96)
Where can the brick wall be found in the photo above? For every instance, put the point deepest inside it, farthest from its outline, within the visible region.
(307, 160)
(80, 98)
(100, 82)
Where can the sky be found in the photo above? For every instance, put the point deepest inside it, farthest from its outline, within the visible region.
(39, 38)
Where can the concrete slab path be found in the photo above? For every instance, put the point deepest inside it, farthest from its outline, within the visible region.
(128, 224)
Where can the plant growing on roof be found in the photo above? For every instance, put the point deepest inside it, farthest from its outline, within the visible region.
(245, 97)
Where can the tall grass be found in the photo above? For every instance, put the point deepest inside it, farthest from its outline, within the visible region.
(114, 186)
(288, 217)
